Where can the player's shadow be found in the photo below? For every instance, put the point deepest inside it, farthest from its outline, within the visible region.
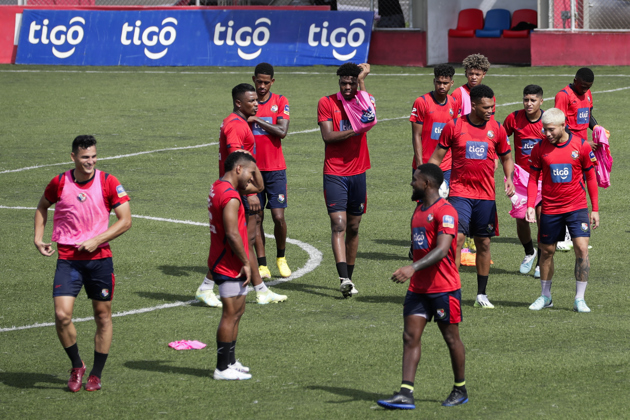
(497, 303)
(393, 242)
(309, 288)
(395, 299)
(166, 297)
(162, 367)
(354, 394)
(505, 240)
(31, 380)
(379, 256)
(493, 270)
(183, 270)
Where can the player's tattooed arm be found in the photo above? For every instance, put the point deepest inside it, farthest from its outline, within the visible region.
(582, 268)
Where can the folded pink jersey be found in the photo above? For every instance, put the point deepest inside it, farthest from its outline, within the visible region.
(603, 156)
(519, 199)
(187, 345)
(360, 110)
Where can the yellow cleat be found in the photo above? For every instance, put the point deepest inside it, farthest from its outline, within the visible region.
(264, 272)
(283, 267)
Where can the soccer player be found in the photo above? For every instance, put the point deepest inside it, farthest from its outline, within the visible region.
(526, 125)
(270, 125)
(229, 260)
(236, 134)
(83, 198)
(475, 68)
(564, 160)
(345, 163)
(476, 140)
(435, 288)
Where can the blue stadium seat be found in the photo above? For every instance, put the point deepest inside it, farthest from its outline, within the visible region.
(496, 21)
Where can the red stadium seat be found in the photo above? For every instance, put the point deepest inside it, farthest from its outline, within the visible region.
(468, 21)
(522, 15)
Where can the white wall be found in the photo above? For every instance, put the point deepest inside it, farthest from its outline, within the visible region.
(442, 16)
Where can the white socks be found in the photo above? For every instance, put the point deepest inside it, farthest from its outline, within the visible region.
(546, 287)
(261, 288)
(580, 287)
(207, 284)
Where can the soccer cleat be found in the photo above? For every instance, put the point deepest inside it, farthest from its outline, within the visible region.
(580, 306)
(283, 267)
(230, 374)
(264, 272)
(354, 290)
(528, 261)
(346, 287)
(398, 401)
(564, 246)
(76, 378)
(269, 297)
(238, 366)
(537, 272)
(457, 396)
(93, 383)
(483, 302)
(540, 303)
(208, 298)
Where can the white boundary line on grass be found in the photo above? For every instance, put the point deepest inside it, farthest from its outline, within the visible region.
(314, 259)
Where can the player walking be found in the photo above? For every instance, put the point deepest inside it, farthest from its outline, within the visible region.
(435, 288)
(83, 198)
(564, 160)
(270, 125)
(345, 163)
(476, 140)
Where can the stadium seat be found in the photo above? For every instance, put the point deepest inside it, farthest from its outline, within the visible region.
(520, 17)
(468, 21)
(496, 21)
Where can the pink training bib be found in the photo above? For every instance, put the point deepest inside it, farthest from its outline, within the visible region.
(360, 110)
(80, 214)
(466, 107)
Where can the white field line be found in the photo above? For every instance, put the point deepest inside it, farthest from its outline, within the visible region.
(314, 259)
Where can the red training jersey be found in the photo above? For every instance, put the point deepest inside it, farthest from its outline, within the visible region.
(526, 135)
(269, 155)
(433, 116)
(426, 225)
(222, 259)
(113, 195)
(577, 109)
(563, 168)
(235, 134)
(348, 157)
(474, 150)
(462, 97)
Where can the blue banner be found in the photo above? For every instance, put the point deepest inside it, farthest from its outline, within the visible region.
(193, 37)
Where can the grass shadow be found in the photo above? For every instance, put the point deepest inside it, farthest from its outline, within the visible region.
(167, 297)
(307, 288)
(393, 242)
(350, 393)
(493, 270)
(183, 271)
(162, 367)
(377, 256)
(505, 240)
(381, 299)
(507, 303)
(25, 380)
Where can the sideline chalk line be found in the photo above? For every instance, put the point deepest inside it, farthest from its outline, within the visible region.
(311, 130)
(314, 259)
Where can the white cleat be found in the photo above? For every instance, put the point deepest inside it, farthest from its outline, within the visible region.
(483, 302)
(230, 374)
(354, 290)
(346, 287)
(238, 366)
(208, 298)
(540, 303)
(269, 297)
(528, 261)
(564, 246)
(580, 306)
(537, 272)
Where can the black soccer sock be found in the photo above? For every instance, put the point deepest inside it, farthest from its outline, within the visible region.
(350, 270)
(538, 259)
(73, 354)
(223, 355)
(342, 269)
(99, 363)
(482, 282)
(529, 248)
(280, 253)
(232, 353)
(406, 388)
(262, 261)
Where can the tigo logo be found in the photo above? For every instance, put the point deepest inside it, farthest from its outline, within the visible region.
(243, 37)
(58, 35)
(338, 38)
(150, 36)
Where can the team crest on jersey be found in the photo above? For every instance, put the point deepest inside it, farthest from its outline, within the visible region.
(105, 293)
(490, 227)
(584, 227)
(490, 134)
(450, 111)
(592, 156)
(575, 154)
(448, 221)
(274, 108)
(362, 208)
(430, 217)
(281, 198)
(120, 191)
(286, 109)
(82, 197)
(589, 98)
(440, 313)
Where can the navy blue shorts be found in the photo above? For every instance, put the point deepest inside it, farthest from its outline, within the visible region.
(346, 193)
(246, 206)
(476, 217)
(275, 193)
(96, 275)
(443, 307)
(222, 278)
(553, 226)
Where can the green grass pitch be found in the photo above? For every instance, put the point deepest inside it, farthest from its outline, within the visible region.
(316, 356)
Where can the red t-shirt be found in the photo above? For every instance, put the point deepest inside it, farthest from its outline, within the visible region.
(577, 109)
(563, 167)
(222, 259)
(460, 98)
(269, 155)
(526, 135)
(348, 157)
(235, 134)
(113, 195)
(474, 150)
(426, 226)
(433, 116)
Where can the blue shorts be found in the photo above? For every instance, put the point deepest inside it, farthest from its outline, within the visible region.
(246, 207)
(553, 226)
(346, 193)
(443, 307)
(222, 278)
(275, 192)
(96, 275)
(476, 217)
